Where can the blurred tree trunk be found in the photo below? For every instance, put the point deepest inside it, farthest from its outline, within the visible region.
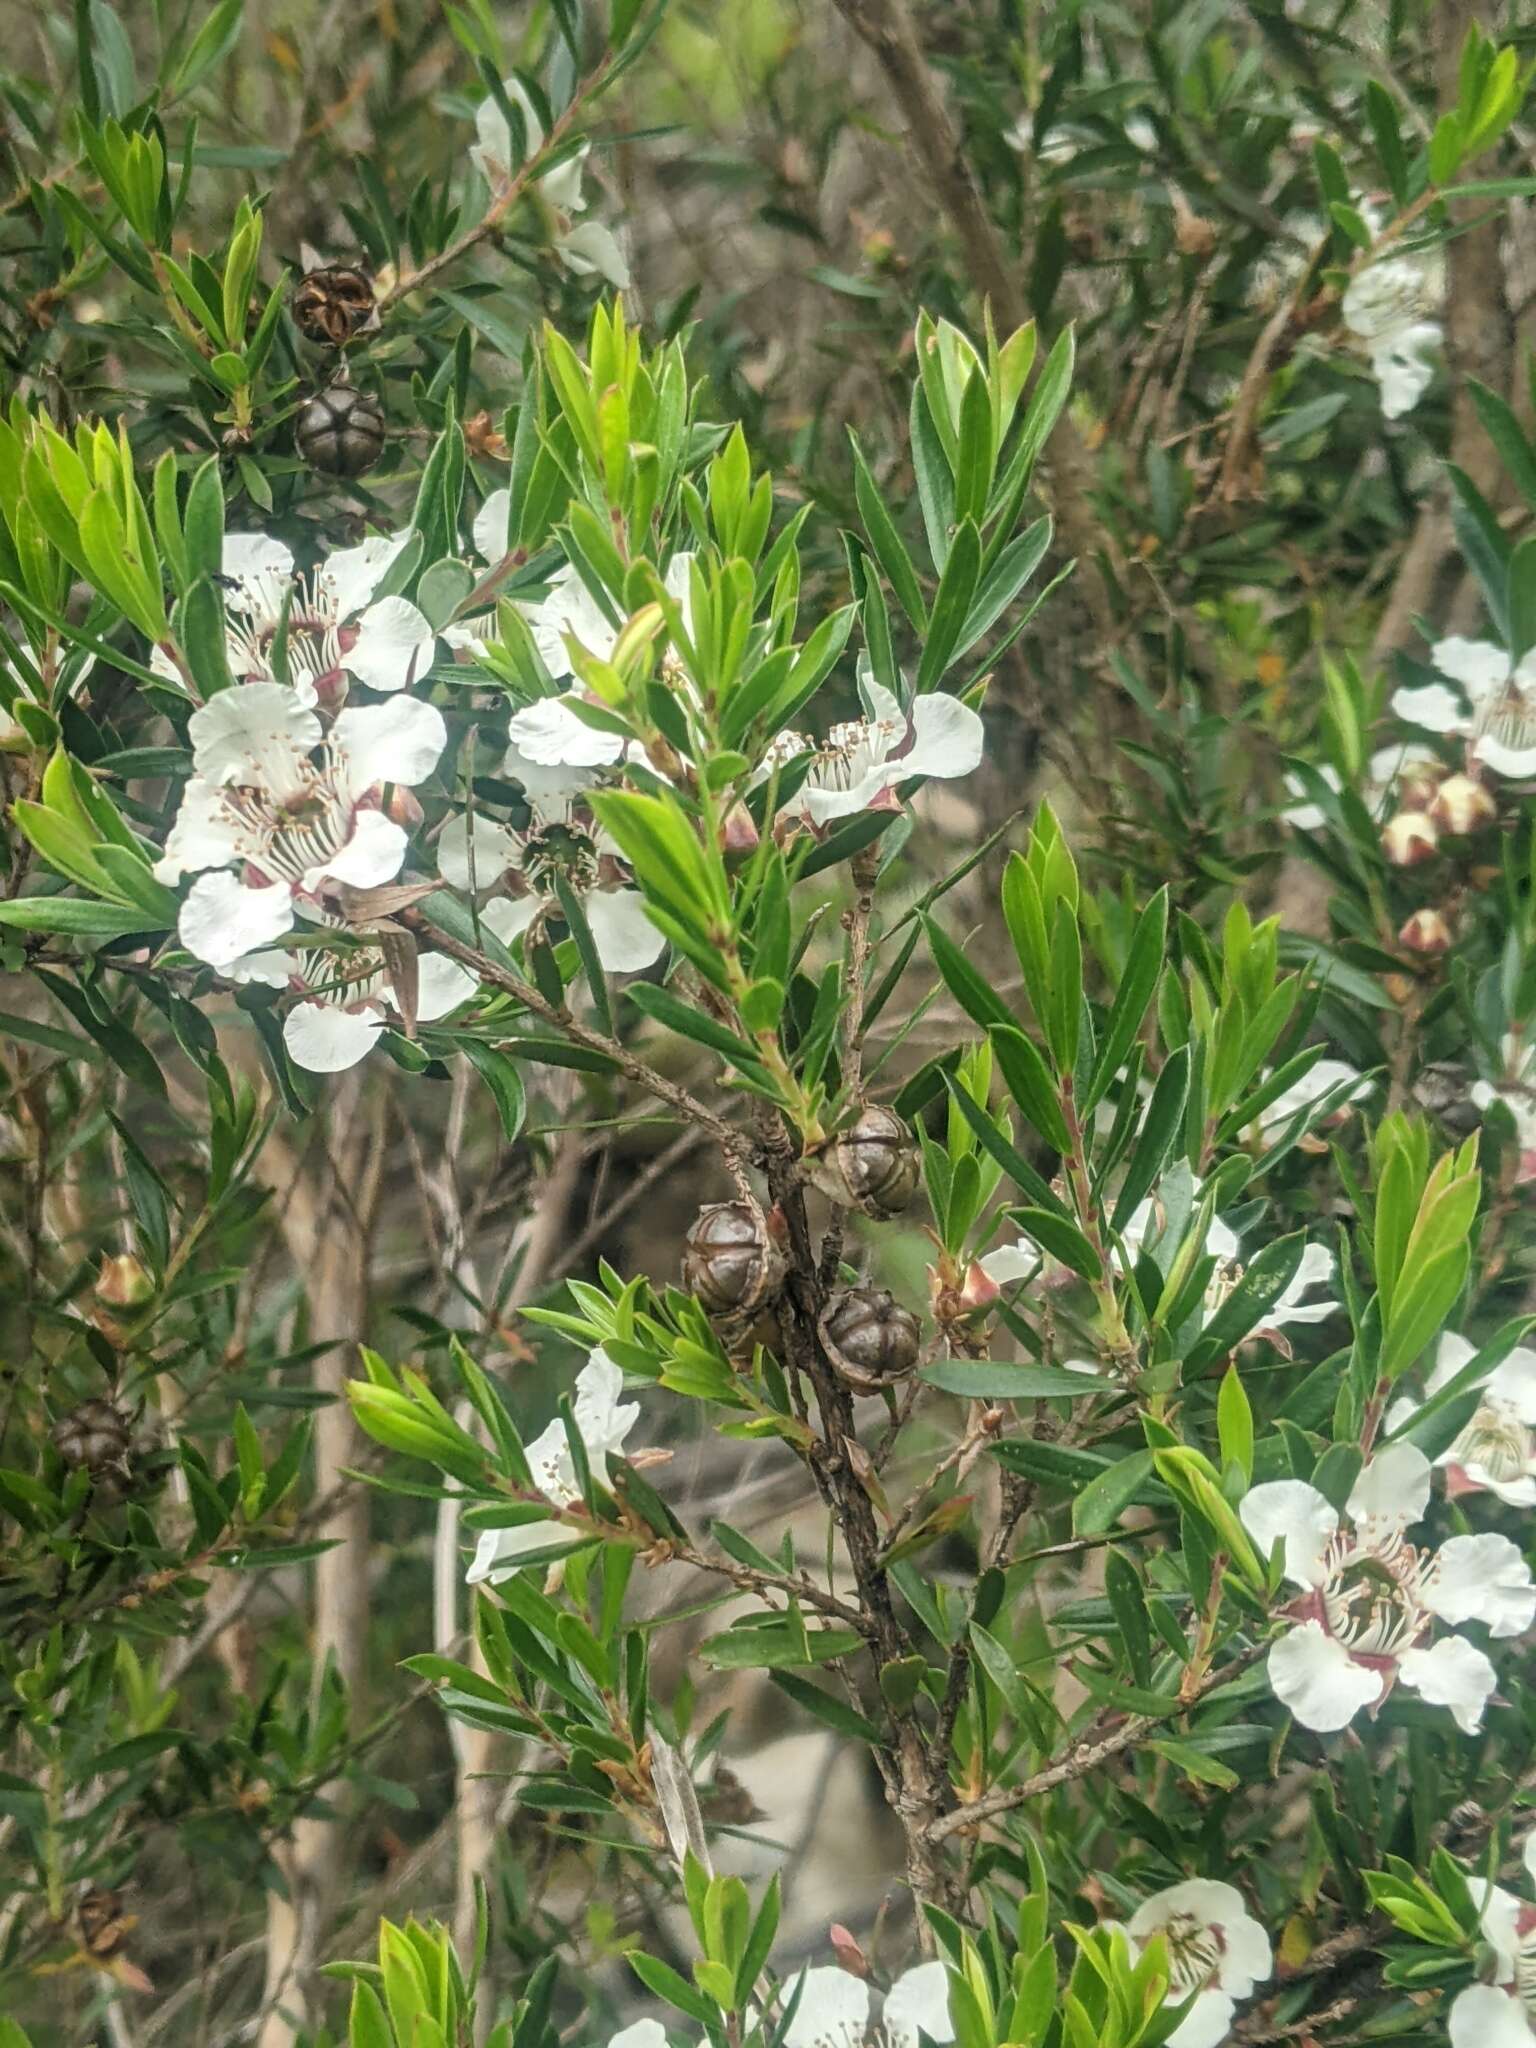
(326, 1202)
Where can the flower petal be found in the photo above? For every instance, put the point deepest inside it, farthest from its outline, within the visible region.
(1291, 1510)
(1319, 1681)
(500, 1552)
(347, 579)
(441, 985)
(374, 853)
(207, 833)
(1482, 1578)
(1513, 1382)
(918, 2001)
(477, 862)
(224, 918)
(326, 1039)
(1451, 1354)
(623, 934)
(1015, 1261)
(401, 741)
(1207, 2023)
(1432, 707)
(640, 2034)
(1479, 666)
(592, 250)
(570, 608)
(490, 527)
(394, 645)
(256, 734)
(1451, 1673)
(832, 2011)
(1392, 1490)
(1482, 2016)
(947, 738)
(551, 735)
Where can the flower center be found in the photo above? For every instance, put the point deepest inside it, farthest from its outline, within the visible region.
(291, 834)
(563, 850)
(1194, 1953)
(1373, 1599)
(1497, 1441)
(1508, 718)
(314, 635)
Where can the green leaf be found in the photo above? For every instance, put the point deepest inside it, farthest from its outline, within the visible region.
(988, 1379)
(969, 989)
(1138, 983)
(951, 607)
(1064, 1241)
(1160, 1127)
(886, 544)
(1234, 1425)
(72, 915)
(501, 1076)
(827, 1708)
(1031, 1084)
(1109, 1493)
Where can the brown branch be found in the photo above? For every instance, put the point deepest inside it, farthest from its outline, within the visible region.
(527, 173)
(732, 1142)
(793, 1585)
(1082, 1758)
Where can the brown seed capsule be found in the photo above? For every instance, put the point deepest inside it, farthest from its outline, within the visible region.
(333, 303)
(95, 1436)
(123, 1282)
(341, 431)
(870, 1337)
(733, 1261)
(875, 1163)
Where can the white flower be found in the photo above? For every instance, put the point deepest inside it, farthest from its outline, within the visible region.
(296, 824)
(864, 761)
(1217, 1954)
(1498, 2015)
(1370, 1599)
(346, 999)
(602, 1421)
(1383, 771)
(336, 627)
(1384, 308)
(1494, 711)
(588, 249)
(1496, 1451)
(1315, 1270)
(1317, 1082)
(640, 2034)
(832, 2010)
(1517, 1092)
(560, 841)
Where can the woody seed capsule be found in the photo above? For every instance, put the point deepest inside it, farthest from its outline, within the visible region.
(341, 431)
(732, 1262)
(870, 1337)
(876, 1163)
(96, 1435)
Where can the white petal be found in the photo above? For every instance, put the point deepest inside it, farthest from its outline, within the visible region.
(1482, 1578)
(347, 579)
(548, 787)
(1504, 759)
(1403, 369)
(1500, 1919)
(490, 527)
(1317, 1082)
(1315, 1270)
(602, 1420)
(1514, 1384)
(1221, 1240)
(224, 918)
(267, 970)
(1482, 2016)
(1392, 1490)
(833, 2010)
(1478, 665)
(374, 853)
(495, 850)
(550, 734)
(508, 917)
(1012, 1261)
(947, 737)
(640, 2034)
(593, 250)
(570, 608)
(255, 560)
(500, 1552)
(1451, 1354)
(1207, 2023)
(394, 645)
(1451, 1673)
(1432, 707)
(401, 741)
(441, 985)
(1292, 1511)
(919, 1999)
(1317, 1679)
(327, 1039)
(623, 934)
(256, 734)
(207, 834)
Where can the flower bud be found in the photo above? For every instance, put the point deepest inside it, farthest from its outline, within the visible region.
(1463, 804)
(870, 1338)
(94, 1437)
(1426, 932)
(1418, 785)
(1409, 837)
(123, 1282)
(873, 1164)
(403, 809)
(733, 1261)
(740, 833)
